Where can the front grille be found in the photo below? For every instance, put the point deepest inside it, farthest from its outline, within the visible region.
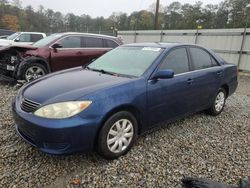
(29, 106)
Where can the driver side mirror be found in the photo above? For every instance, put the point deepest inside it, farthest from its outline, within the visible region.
(17, 39)
(164, 74)
(56, 45)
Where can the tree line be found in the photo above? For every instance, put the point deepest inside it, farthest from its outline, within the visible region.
(227, 14)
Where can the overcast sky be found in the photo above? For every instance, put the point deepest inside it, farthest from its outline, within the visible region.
(102, 7)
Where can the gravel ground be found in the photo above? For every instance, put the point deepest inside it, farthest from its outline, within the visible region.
(202, 146)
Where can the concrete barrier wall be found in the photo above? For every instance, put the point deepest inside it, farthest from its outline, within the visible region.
(231, 44)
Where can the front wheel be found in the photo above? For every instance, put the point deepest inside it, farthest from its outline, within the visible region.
(117, 135)
(32, 71)
(218, 104)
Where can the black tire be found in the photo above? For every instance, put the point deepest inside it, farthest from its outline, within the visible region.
(213, 110)
(102, 144)
(29, 66)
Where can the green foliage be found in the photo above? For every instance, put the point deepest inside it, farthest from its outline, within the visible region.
(227, 14)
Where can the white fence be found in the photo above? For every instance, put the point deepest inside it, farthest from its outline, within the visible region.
(231, 44)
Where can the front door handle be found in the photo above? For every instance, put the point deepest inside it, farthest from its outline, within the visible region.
(190, 81)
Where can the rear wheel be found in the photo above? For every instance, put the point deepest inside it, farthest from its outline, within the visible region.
(219, 103)
(32, 71)
(117, 135)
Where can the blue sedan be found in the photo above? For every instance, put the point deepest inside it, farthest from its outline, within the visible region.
(129, 90)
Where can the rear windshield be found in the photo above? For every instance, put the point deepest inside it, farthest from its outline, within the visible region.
(131, 61)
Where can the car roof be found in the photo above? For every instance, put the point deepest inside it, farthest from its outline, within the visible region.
(159, 45)
(172, 45)
(31, 32)
(87, 34)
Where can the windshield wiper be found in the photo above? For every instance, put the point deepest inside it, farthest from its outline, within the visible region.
(107, 72)
(101, 71)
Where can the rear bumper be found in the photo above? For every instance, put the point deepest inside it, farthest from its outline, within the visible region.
(233, 87)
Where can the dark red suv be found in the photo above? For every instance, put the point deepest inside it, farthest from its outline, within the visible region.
(53, 53)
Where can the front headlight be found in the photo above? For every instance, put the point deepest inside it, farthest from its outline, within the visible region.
(62, 110)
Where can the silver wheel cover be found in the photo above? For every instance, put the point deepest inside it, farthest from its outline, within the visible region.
(219, 101)
(120, 135)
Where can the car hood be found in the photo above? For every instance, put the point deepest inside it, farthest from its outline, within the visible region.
(69, 85)
(17, 47)
(5, 42)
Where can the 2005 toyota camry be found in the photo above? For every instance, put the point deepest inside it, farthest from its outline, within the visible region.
(127, 91)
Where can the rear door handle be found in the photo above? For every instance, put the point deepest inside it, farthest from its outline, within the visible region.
(190, 81)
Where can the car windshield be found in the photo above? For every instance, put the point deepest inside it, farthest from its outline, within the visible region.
(47, 40)
(130, 61)
(13, 36)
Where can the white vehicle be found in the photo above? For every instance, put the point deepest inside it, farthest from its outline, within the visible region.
(22, 38)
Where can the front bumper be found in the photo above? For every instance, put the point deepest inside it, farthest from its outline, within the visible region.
(7, 72)
(56, 136)
(7, 67)
(7, 78)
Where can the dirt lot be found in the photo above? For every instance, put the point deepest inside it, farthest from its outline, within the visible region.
(212, 147)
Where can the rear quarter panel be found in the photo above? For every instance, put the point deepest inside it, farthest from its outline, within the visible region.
(230, 77)
(230, 73)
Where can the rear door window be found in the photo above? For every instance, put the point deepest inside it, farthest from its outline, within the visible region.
(92, 42)
(71, 42)
(201, 59)
(36, 37)
(176, 60)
